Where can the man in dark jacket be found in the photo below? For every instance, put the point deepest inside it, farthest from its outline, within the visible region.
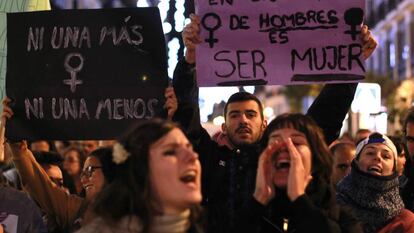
(229, 172)
(407, 191)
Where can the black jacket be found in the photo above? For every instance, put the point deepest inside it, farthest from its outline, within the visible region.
(228, 176)
(407, 188)
(315, 211)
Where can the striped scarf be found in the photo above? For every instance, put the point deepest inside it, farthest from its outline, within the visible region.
(374, 199)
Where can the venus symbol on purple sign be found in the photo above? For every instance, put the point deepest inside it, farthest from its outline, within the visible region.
(353, 17)
(211, 28)
(73, 82)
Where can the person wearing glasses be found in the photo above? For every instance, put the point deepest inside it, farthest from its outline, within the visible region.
(68, 211)
(99, 170)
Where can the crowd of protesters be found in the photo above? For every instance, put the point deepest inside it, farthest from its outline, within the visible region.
(293, 174)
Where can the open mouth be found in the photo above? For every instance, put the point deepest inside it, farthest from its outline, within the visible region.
(88, 186)
(375, 170)
(282, 164)
(189, 177)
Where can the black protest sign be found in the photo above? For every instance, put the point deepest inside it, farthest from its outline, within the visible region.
(84, 74)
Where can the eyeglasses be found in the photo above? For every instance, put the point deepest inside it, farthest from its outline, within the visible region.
(88, 171)
(57, 181)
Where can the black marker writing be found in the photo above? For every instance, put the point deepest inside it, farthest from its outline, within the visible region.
(221, 2)
(353, 17)
(246, 63)
(343, 57)
(239, 22)
(211, 40)
(298, 19)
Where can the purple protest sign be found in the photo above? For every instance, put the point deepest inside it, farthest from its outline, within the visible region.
(254, 42)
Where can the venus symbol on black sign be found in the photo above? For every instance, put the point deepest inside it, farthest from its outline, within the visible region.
(353, 17)
(73, 82)
(211, 40)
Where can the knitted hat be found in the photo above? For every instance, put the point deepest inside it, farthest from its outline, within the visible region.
(377, 138)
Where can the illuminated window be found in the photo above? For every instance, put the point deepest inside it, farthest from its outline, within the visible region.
(392, 55)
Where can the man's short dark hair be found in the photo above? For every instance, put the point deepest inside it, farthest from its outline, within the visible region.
(48, 158)
(342, 145)
(241, 97)
(398, 143)
(363, 131)
(408, 119)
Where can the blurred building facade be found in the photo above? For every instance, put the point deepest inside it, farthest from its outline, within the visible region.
(392, 23)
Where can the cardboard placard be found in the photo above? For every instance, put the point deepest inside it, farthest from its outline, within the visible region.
(84, 74)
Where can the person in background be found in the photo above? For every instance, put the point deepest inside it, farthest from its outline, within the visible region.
(66, 210)
(73, 160)
(371, 190)
(70, 211)
(18, 213)
(343, 153)
(293, 192)
(106, 143)
(42, 145)
(157, 184)
(10, 172)
(407, 192)
(89, 145)
(401, 158)
(346, 137)
(401, 162)
(61, 146)
(361, 134)
(229, 172)
(51, 163)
